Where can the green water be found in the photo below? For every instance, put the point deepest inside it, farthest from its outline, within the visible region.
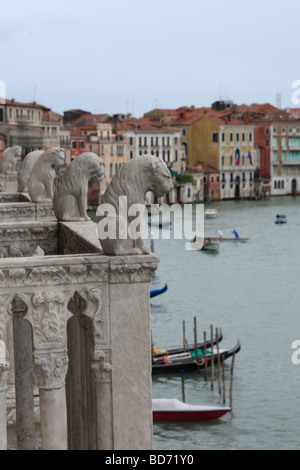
(252, 291)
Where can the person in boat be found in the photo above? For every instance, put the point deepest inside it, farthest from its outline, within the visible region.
(235, 233)
(219, 234)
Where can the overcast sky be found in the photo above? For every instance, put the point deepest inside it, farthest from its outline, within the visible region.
(132, 55)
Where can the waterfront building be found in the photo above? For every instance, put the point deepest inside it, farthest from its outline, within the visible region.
(277, 144)
(29, 125)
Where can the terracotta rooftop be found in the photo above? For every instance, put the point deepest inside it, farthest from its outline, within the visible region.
(32, 104)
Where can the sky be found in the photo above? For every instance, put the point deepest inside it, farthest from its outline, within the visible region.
(131, 56)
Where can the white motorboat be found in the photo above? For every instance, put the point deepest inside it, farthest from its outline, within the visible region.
(211, 213)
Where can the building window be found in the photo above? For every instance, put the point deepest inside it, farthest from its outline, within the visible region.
(131, 154)
(81, 144)
(231, 137)
(214, 137)
(243, 137)
(102, 149)
(250, 136)
(1, 115)
(73, 144)
(130, 140)
(10, 113)
(237, 136)
(223, 136)
(110, 169)
(223, 160)
(184, 132)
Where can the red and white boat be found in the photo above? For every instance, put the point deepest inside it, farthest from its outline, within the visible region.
(171, 409)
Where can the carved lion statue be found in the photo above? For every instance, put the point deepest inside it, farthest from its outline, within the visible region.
(25, 169)
(42, 176)
(8, 160)
(71, 190)
(133, 180)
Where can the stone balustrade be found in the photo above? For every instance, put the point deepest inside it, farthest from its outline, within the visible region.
(85, 318)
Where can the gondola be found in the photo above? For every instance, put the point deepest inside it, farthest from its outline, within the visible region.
(170, 350)
(177, 363)
(154, 293)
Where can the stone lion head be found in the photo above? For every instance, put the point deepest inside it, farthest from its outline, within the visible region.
(55, 156)
(161, 180)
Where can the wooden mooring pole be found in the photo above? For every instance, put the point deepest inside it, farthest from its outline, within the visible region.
(205, 357)
(219, 362)
(212, 358)
(231, 379)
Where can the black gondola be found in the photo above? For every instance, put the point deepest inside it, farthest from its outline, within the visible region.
(190, 364)
(156, 353)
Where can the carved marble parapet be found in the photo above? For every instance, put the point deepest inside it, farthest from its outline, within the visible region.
(8, 182)
(26, 211)
(79, 237)
(46, 285)
(132, 268)
(13, 197)
(23, 239)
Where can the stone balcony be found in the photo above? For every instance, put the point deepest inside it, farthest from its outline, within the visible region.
(84, 320)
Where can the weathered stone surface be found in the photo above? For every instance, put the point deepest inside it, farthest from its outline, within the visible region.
(71, 190)
(127, 192)
(8, 162)
(42, 176)
(25, 169)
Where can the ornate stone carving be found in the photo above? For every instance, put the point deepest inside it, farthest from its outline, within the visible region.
(70, 195)
(133, 180)
(132, 272)
(4, 373)
(95, 310)
(101, 364)
(8, 160)
(51, 368)
(40, 183)
(49, 318)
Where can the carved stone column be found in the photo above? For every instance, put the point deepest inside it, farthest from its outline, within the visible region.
(51, 368)
(4, 373)
(101, 365)
(22, 336)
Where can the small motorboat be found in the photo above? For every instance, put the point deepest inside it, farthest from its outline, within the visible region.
(171, 409)
(229, 239)
(280, 219)
(155, 292)
(210, 245)
(205, 244)
(211, 213)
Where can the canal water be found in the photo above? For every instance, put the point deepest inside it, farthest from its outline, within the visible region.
(252, 291)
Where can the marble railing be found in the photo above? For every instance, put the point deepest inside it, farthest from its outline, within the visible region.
(81, 334)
